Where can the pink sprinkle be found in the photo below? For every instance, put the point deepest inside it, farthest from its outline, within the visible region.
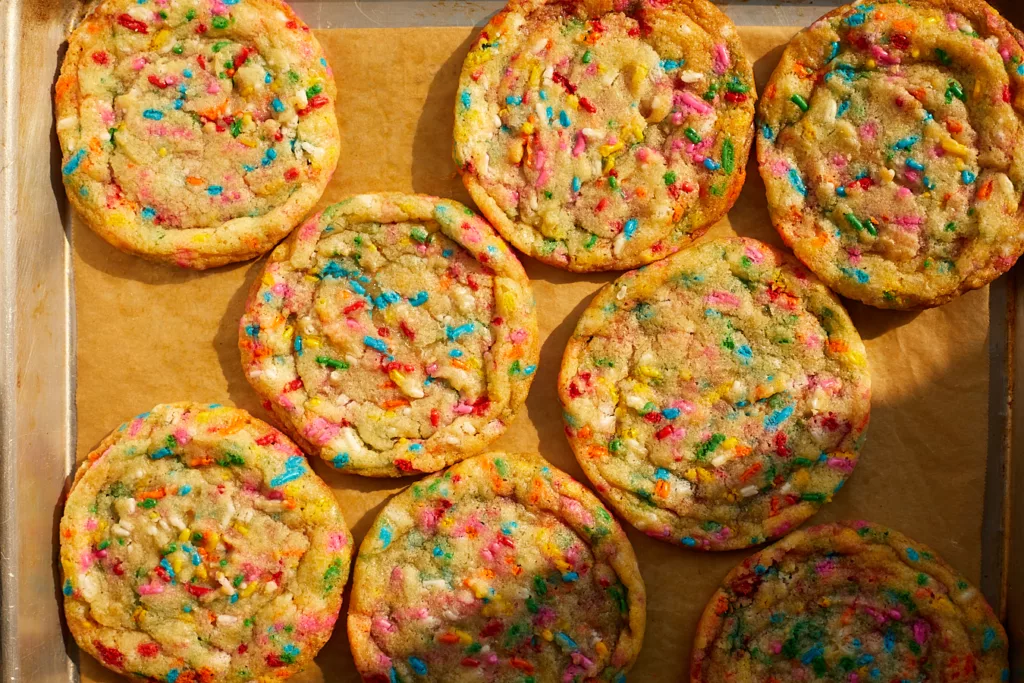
(690, 100)
(320, 431)
(285, 402)
(776, 647)
(336, 542)
(150, 589)
(842, 464)
(869, 131)
(518, 336)
(138, 63)
(212, 88)
(684, 407)
(883, 56)
(922, 629)
(134, 427)
(353, 323)
(107, 116)
(723, 298)
(903, 192)
(91, 524)
(951, 21)
(643, 154)
(581, 144)
(753, 254)
(677, 118)
(912, 176)
(1004, 53)
(779, 168)
(463, 409)
(383, 625)
(839, 161)
(396, 575)
(182, 436)
(825, 567)
(473, 235)
(86, 559)
(431, 369)
(722, 59)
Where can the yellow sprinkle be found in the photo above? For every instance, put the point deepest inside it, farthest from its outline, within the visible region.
(247, 141)
(176, 562)
(638, 76)
(139, 614)
(241, 528)
(915, 53)
(161, 38)
(527, 128)
(730, 443)
(288, 331)
(977, 88)
(607, 150)
(201, 572)
(212, 539)
(200, 237)
(801, 478)
(648, 371)
(535, 77)
(162, 151)
(250, 589)
(464, 637)
(547, 635)
(601, 648)
(572, 101)
(183, 536)
(314, 402)
(312, 342)
(268, 280)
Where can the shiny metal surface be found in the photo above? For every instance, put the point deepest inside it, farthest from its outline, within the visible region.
(37, 327)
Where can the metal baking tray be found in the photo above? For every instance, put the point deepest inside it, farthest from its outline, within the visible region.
(37, 328)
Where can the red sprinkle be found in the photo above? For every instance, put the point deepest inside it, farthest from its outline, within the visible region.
(403, 465)
(267, 439)
(294, 385)
(469, 661)
(291, 174)
(353, 307)
(242, 55)
(148, 649)
(664, 432)
(492, 628)
(158, 82)
(588, 105)
(435, 417)
(132, 24)
(111, 656)
(564, 82)
(406, 330)
(100, 57)
(315, 102)
(654, 417)
(243, 648)
(900, 41)
(202, 28)
(735, 97)
(198, 591)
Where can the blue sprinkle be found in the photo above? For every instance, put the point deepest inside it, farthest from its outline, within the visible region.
(162, 453)
(384, 299)
(74, 162)
(214, 190)
(293, 469)
(841, 191)
(845, 70)
(340, 460)
(907, 142)
(252, 330)
(419, 299)
(550, 113)
(967, 177)
(575, 184)
(629, 229)
(68, 590)
(184, 490)
(153, 114)
(376, 344)
(672, 64)
(187, 73)
(323, 62)
(1020, 70)
(777, 618)
(711, 164)
(843, 107)
(173, 674)
(179, 103)
(543, 95)
(83, 191)
(415, 447)
(453, 333)
(856, 19)
(928, 183)
(167, 567)
(529, 370)
(513, 99)
(797, 182)
(688, 541)
(455, 353)
(569, 577)
(182, 89)
(230, 2)
(889, 641)
(745, 352)
(773, 420)
(988, 640)
(563, 118)
(832, 52)
(385, 535)
(857, 273)
(465, 99)
(565, 641)
(437, 551)
(267, 78)
(865, 659)
(661, 474)
(278, 105)
(269, 156)
(914, 164)
(812, 654)
(297, 344)
(357, 288)
(670, 413)
(234, 598)
(766, 131)
(248, 168)
(418, 665)
(289, 649)
(393, 676)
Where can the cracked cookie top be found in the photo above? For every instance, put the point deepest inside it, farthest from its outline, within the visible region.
(602, 136)
(392, 334)
(195, 132)
(718, 398)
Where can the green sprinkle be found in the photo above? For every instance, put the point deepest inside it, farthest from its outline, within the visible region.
(220, 22)
(149, 503)
(220, 45)
(332, 363)
(709, 446)
(178, 49)
(613, 182)
(692, 135)
(314, 89)
(854, 222)
(236, 128)
(670, 177)
(950, 227)
(591, 241)
(190, 14)
(587, 57)
(943, 56)
(736, 85)
(728, 156)
(813, 497)
(419, 234)
(799, 101)
(954, 89)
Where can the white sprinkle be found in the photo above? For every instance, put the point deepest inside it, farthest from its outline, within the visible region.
(748, 491)
(226, 620)
(690, 76)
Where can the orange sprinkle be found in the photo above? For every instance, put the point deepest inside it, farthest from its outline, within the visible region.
(837, 345)
(235, 425)
(597, 452)
(742, 451)
(394, 403)
(661, 488)
(201, 462)
(459, 364)
(192, 180)
(954, 126)
(448, 638)
(904, 25)
(986, 190)
(586, 432)
(750, 471)
(641, 192)
(155, 493)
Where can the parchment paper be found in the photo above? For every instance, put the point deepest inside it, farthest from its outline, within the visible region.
(149, 334)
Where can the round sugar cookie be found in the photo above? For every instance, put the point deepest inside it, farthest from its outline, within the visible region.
(718, 398)
(195, 132)
(197, 546)
(392, 334)
(602, 136)
(850, 601)
(501, 568)
(889, 141)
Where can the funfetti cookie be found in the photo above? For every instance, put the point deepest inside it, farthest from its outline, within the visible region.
(848, 602)
(501, 568)
(718, 398)
(889, 140)
(196, 545)
(195, 132)
(602, 136)
(392, 334)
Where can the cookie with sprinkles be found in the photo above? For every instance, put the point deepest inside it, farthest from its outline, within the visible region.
(602, 136)
(196, 546)
(890, 145)
(501, 568)
(849, 602)
(195, 132)
(392, 334)
(716, 399)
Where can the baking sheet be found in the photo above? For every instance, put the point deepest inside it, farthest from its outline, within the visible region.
(148, 334)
